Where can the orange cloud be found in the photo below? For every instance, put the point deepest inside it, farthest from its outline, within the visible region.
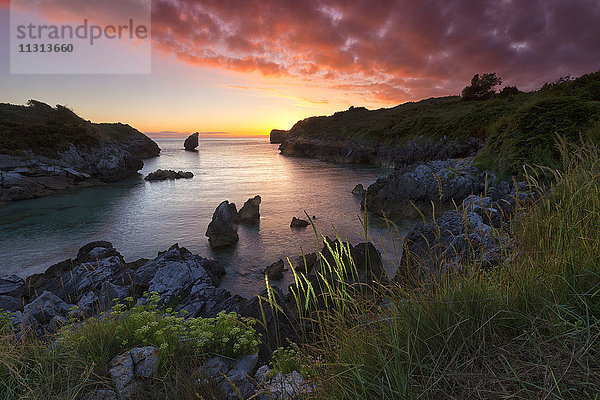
(388, 50)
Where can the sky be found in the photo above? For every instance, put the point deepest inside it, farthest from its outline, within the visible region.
(244, 67)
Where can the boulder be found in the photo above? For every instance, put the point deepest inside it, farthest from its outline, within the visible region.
(275, 270)
(233, 376)
(306, 263)
(163, 175)
(12, 285)
(9, 303)
(281, 386)
(45, 308)
(128, 370)
(298, 223)
(249, 214)
(222, 230)
(191, 143)
(359, 190)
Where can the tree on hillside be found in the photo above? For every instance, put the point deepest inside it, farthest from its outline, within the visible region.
(482, 87)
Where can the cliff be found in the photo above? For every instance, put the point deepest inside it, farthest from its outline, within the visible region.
(44, 150)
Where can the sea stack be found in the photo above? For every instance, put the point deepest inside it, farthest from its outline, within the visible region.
(222, 230)
(249, 213)
(191, 143)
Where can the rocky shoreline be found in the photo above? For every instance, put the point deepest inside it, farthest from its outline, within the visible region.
(89, 155)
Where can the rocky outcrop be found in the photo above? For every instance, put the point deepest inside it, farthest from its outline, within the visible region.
(359, 190)
(191, 143)
(354, 151)
(279, 386)
(222, 230)
(275, 270)
(40, 162)
(470, 236)
(440, 182)
(277, 136)
(298, 223)
(249, 214)
(98, 276)
(163, 175)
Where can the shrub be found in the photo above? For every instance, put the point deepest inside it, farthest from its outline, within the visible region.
(481, 88)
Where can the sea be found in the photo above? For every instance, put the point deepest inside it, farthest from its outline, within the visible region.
(142, 218)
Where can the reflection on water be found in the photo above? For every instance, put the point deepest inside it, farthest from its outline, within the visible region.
(141, 218)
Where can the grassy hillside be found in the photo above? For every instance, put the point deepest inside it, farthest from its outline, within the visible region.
(47, 130)
(519, 128)
(529, 328)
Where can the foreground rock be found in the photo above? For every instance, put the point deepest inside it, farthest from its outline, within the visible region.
(99, 276)
(275, 270)
(222, 230)
(163, 175)
(40, 163)
(471, 236)
(250, 212)
(298, 223)
(129, 369)
(443, 183)
(232, 376)
(279, 386)
(278, 136)
(191, 143)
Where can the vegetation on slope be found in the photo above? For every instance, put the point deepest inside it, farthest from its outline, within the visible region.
(47, 130)
(519, 128)
(527, 329)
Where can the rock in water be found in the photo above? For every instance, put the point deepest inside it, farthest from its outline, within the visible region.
(249, 213)
(222, 230)
(298, 223)
(358, 190)
(163, 175)
(275, 270)
(191, 143)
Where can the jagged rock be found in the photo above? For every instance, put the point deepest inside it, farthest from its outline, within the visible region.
(222, 230)
(277, 136)
(127, 369)
(275, 270)
(45, 308)
(306, 263)
(9, 303)
(191, 143)
(440, 182)
(231, 375)
(278, 324)
(250, 213)
(12, 285)
(359, 190)
(298, 223)
(163, 175)
(177, 274)
(460, 238)
(280, 386)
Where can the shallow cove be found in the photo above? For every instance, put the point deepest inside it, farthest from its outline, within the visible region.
(141, 218)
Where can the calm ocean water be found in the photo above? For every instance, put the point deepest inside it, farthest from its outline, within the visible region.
(141, 218)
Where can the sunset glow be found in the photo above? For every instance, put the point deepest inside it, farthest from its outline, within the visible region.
(244, 68)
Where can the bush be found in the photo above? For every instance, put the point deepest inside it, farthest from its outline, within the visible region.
(481, 88)
(528, 135)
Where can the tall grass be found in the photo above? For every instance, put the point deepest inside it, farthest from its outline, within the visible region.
(527, 329)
